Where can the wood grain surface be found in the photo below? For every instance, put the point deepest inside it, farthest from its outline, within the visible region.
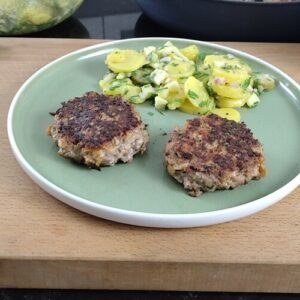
(44, 243)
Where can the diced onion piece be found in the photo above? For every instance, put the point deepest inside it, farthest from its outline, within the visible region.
(147, 92)
(253, 100)
(173, 86)
(170, 50)
(158, 76)
(149, 49)
(160, 103)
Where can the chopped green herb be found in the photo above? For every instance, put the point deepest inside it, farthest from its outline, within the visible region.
(203, 104)
(201, 75)
(134, 98)
(246, 83)
(201, 56)
(161, 89)
(114, 85)
(150, 113)
(126, 92)
(174, 64)
(228, 67)
(210, 91)
(192, 94)
(161, 112)
(178, 100)
(150, 57)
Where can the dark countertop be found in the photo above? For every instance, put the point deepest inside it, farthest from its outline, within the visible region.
(118, 19)
(12, 294)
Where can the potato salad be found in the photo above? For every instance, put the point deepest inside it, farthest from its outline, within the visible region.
(186, 79)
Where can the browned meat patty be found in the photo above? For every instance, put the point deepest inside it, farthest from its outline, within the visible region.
(212, 153)
(98, 130)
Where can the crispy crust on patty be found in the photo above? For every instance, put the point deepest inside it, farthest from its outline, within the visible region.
(212, 153)
(98, 130)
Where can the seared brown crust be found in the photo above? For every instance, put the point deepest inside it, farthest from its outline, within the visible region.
(211, 153)
(98, 130)
(94, 119)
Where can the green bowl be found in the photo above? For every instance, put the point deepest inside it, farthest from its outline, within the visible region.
(26, 16)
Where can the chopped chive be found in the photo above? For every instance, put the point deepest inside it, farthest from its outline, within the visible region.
(246, 83)
(134, 98)
(201, 56)
(210, 90)
(203, 103)
(192, 94)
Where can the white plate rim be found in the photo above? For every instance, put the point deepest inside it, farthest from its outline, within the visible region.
(142, 218)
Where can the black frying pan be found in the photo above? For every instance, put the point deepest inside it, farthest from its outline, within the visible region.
(227, 20)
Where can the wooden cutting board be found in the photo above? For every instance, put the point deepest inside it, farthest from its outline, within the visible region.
(47, 244)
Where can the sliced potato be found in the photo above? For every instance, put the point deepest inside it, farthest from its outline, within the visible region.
(115, 87)
(125, 60)
(175, 99)
(107, 79)
(191, 52)
(195, 92)
(228, 62)
(234, 75)
(189, 108)
(211, 59)
(228, 113)
(178, 69)
(132, 94)
(231, 103)
(228, 91)
(202, 73)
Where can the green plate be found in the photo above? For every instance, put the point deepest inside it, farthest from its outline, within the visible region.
(141, 192)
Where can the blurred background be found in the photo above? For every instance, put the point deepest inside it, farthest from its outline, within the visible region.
(227, 20)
